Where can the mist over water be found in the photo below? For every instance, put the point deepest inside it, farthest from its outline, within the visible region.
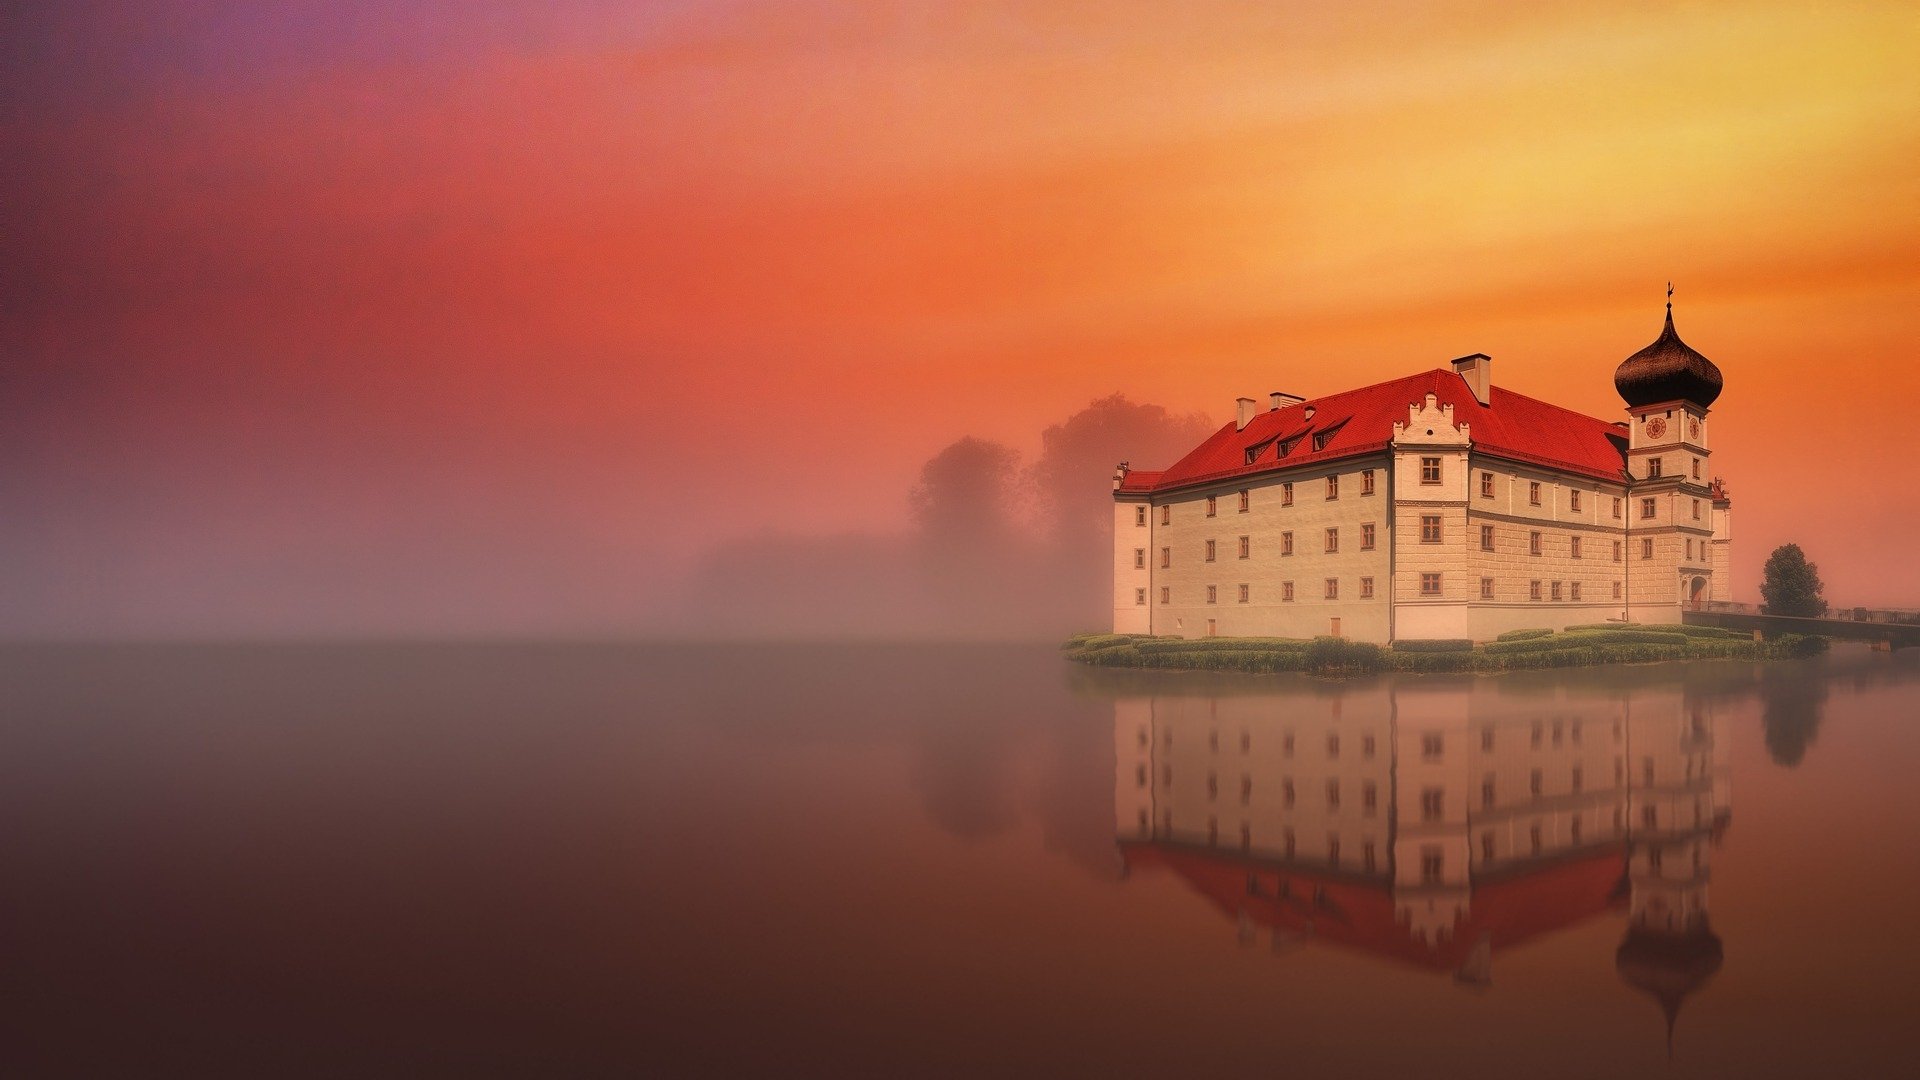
(826, 859)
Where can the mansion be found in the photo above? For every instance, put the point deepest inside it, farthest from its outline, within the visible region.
(1433, 506)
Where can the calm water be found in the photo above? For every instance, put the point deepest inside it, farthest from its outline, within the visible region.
(904, 860)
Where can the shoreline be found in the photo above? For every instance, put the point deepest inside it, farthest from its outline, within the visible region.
(1520, 650)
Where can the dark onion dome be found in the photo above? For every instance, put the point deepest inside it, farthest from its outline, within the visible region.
(1667, 370)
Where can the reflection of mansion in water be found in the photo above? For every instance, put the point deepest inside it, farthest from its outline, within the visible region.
(1438, 505)
(1433, 824)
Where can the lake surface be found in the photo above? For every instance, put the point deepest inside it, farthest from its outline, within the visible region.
(566, 860)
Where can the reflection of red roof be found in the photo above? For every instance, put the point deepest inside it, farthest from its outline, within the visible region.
(1513, 426)
(1359, 913)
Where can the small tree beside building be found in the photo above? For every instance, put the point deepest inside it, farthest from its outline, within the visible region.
(1792, 584)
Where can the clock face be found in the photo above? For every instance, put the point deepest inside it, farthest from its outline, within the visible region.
(1656, 427)
(1693, 428)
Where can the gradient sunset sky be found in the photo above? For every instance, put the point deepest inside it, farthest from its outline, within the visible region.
(348, 316)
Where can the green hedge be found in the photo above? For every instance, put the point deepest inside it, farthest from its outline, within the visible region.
(1585, 638)
(1229, 644)
(1524, 635)
(1427, 645)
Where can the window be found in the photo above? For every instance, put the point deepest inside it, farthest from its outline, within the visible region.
(1696, 468)
(1287, 841)
(1333, 849)
(1486, 588)
(1321, 439)
(1139, 558)
(1648, 508)
(1696, 509)
(1573, 501)
(1533, 839)
(1432, 744)
(1286, 543)
(1432, 802)
(1366, 536)
(1533, 492)
(1573, 547)
(1166, 514)
(1209, 551)
(1333, 486)
(1486, 739)
(1579, 779)
(1366, 481)
(1650, 817)
(1213, 593)
(1538, 730)
(1486, 847)
(1429, 584)
(1575, 829)
(1366, 855)
(1616, 507)
(1286, 493)
(1286, 592)
(1333, 539)
(1166, 557)
(1367, 746)
(1616, 551)
(1253, 453)
(1166, 594)
(1689, 549)
(1429, 470)
(1333, 746)
(1429, 528)
(1333, 794)
(1573, 592)
(1333, 588)
(1536, 784)
(1140, 515)
(1245, 495)
(1533, 542)
(1244, 591)
(1246, 546)
(1140, 596)
(1616, 590)
(1653, 468)
(1210, 505)
(1369, 798)
(1432, 865)
(1533, 590)
(1646, 548)
(1366, 588)
(1213, 628)
(1486, 538)
(1486, 792)
(1556, 592)
(1486, 485)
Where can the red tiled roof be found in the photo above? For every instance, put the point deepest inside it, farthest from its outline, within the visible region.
(1512, 426)
(1358, 913)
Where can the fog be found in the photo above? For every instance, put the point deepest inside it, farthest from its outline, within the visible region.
(998, 548)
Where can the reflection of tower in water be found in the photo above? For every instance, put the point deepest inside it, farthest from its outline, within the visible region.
(1681, 807)
(1435, 823)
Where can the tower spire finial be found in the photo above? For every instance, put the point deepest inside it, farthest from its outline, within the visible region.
(1669, 298)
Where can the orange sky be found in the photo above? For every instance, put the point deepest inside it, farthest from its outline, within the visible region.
(571, 285)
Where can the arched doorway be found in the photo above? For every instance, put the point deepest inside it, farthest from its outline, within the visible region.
(1696, 593)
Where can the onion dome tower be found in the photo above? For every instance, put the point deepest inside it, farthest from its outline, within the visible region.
(1667, 370)
(1669, 387)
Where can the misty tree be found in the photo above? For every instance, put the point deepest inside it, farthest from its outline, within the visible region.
(1070, 485)
(1791, 585)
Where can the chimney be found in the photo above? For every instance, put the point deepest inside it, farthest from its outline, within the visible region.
(1310, 412)
(1477, 370)
(1243, 413)
(1281, 401)
(1120, 472)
